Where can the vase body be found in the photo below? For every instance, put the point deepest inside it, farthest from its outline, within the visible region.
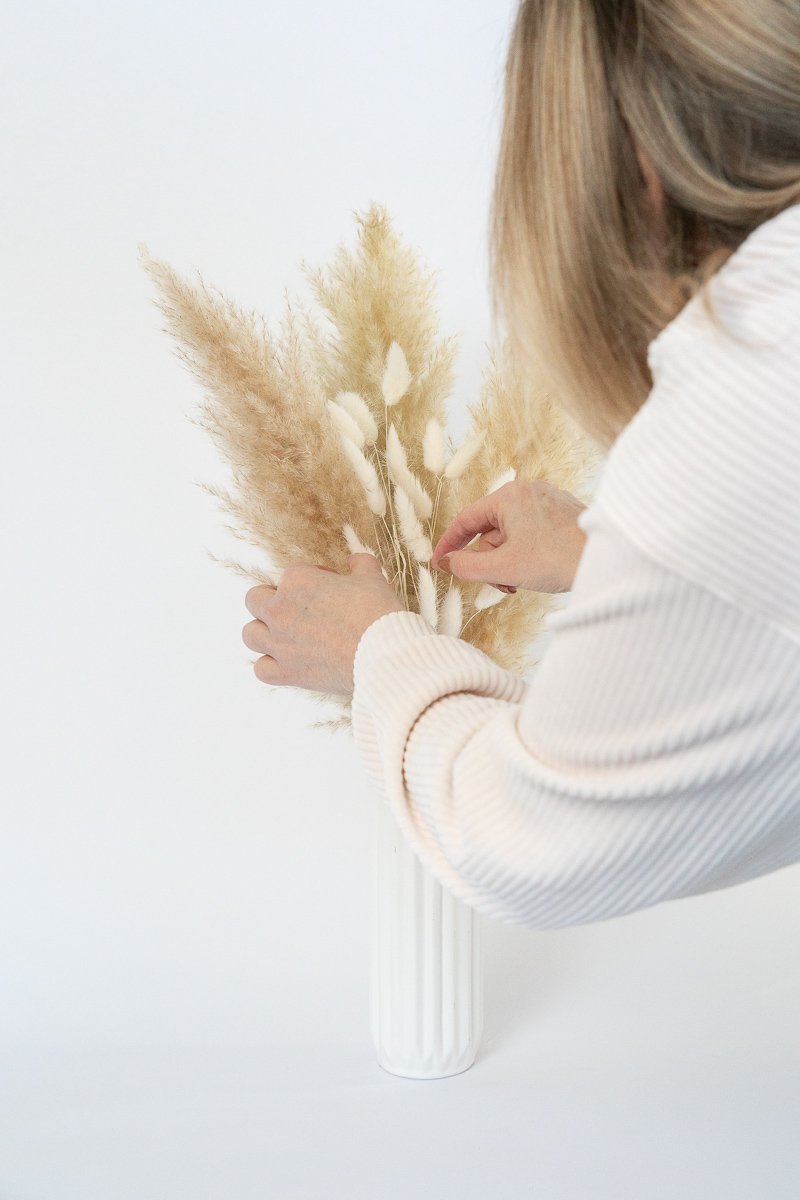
(426, 990)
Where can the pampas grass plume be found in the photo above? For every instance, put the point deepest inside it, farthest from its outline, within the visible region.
(280, 405)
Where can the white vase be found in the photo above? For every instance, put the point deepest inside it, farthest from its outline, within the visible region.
(426, 1000)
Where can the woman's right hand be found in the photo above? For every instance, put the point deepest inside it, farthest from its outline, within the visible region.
(529, 539)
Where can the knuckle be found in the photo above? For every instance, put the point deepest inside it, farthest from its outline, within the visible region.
(256, 597)
(250, 635)
(294, 570)
(263, 669)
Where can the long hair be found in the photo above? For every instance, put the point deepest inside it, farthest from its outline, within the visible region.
(711, 93)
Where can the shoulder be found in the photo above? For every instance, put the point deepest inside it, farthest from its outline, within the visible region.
(704, 477)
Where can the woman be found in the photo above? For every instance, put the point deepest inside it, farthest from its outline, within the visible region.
(647, 147)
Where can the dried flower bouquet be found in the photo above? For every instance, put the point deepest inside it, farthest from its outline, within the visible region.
(336, 437)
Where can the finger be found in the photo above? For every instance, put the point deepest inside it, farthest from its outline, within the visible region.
(266, 670)
(479, 517)
(257, 598)
(255, 636)
(477, 565)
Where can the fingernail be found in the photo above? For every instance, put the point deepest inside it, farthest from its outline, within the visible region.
(444, 564)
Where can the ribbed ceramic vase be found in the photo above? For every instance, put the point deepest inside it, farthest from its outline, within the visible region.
(426, 999)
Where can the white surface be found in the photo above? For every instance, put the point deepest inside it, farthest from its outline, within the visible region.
(184, 865)
(655, 1056)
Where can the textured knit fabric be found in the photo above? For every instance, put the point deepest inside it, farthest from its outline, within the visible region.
(655, 753)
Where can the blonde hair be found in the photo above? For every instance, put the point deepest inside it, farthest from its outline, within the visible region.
(711, 94)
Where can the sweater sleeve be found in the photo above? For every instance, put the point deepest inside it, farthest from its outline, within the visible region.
(655, 753)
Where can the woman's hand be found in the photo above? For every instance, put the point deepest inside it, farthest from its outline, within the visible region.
(308, 627)
(529, 538)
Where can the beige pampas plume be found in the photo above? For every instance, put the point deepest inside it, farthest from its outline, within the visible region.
(263, 410)
(299, 413)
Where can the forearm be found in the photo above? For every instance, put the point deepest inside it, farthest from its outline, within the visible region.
(644, 762)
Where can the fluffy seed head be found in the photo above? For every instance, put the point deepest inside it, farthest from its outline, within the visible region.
(376, 497)
(358, 408)
(452, 611)
(411, 531)
(354, 543)
(346, 423)
(396, 460)
(488, 595)
(399, 472)
(464, 455)
(427, 595)
(433, 452)
(504, 477)
(396, 375)
(356, 546)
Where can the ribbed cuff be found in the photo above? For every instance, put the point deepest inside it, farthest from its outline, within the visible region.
(389, 630)
(401, 667)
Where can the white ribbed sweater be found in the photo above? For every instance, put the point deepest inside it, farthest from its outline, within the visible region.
(655, 753)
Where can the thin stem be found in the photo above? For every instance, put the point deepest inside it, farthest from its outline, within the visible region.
(378, 539)
(413, 575)
(398, 558)
(388, 486)
(387, 489)
(408, 570)
(432, 522)
(466, 623)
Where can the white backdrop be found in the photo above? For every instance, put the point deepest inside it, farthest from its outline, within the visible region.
(184, 863)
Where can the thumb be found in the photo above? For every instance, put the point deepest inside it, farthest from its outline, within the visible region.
(474, 566)
(363, 564)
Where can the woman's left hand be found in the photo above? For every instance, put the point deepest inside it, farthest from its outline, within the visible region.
(309, 626)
